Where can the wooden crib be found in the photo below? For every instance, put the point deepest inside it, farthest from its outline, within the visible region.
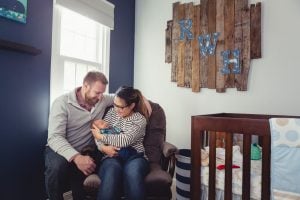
(203, 133)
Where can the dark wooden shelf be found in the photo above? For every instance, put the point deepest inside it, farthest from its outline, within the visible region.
(23, 48)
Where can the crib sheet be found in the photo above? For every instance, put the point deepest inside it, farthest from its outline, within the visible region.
(237, 178)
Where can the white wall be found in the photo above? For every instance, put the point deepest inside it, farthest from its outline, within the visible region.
(273, 86)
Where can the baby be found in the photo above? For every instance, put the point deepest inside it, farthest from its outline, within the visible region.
(105, 128)
(125, 152)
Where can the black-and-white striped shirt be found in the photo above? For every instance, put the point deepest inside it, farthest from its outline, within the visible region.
(132, 129)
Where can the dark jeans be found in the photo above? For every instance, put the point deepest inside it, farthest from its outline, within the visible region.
(118, 176)
(60, 175)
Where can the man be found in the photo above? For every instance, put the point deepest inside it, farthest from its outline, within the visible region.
(69, 132)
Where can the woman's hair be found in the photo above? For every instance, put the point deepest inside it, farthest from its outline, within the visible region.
(131, 95)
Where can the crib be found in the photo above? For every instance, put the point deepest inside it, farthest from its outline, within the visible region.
(203, 133)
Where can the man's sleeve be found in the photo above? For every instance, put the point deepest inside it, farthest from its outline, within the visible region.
(57, 130)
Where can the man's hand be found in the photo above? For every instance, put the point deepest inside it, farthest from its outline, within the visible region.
(110, 151)
(85, 164)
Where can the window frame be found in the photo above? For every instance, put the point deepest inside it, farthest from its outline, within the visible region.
(57, 60)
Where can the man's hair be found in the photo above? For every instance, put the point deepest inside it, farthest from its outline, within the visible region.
(94, 76)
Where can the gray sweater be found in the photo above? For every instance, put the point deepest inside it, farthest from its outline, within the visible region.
(69, 124)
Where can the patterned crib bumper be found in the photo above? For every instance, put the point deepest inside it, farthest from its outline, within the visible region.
(285, 155)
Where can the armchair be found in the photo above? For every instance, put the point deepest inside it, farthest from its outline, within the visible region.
(161, 156)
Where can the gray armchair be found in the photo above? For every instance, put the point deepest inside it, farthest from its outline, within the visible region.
(161, 156)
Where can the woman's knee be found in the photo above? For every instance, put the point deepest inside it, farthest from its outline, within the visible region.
(110, 167)
(136, 168)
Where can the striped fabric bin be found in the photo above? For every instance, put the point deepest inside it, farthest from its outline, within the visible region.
(183, 171)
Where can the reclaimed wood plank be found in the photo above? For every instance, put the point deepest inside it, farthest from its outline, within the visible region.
(180, 64)
(204, 30)
(181, 50)
(239, 5)
(168, 45)
(196, 52)
(246, 49)
(211, 71)
(243, 4)
(220, 78)
(255, 36)
(175, 40)
(188, 54)
(229, 36)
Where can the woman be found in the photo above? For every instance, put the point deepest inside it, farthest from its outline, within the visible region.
(130, 115)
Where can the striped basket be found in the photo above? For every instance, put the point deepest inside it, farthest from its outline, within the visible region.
(183, 171)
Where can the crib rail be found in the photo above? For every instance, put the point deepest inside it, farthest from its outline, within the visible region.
(245, 124)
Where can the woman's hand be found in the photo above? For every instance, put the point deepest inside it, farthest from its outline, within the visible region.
(110, 151)
(96, 132)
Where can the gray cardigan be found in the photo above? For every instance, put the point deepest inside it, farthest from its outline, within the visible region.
(69, 124)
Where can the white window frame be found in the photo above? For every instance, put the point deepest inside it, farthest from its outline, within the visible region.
(57, 60)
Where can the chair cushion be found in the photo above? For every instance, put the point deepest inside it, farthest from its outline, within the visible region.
(155, 133)
(92, 182)
(158, 182)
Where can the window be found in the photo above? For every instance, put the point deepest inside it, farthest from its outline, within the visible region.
(79, 45)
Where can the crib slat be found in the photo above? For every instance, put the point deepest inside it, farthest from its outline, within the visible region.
(266, 152)
(228, 166)
(246, 166)
(197, 140)
(212, 165)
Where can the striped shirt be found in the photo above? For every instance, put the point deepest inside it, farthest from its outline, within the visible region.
(132, 129)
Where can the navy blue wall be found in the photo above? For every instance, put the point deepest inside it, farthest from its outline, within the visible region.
(122, 45)
(25, 93)
(24, 103)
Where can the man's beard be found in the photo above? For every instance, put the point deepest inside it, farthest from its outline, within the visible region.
(90, 101)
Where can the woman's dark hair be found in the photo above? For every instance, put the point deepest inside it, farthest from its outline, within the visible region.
(131, 95)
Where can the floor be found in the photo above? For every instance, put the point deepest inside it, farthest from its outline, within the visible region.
(173, 189)
(68, 195)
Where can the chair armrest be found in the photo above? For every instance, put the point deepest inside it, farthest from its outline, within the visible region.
(169, 149)
(169, 159)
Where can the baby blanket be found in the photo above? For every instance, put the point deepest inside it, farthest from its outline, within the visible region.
(285, 156)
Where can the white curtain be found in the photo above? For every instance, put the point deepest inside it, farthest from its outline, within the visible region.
(101, 11)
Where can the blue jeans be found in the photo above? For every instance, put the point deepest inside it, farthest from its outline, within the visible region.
(118, 177)
(60, 175)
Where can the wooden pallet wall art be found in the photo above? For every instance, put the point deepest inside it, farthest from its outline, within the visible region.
(210, 45)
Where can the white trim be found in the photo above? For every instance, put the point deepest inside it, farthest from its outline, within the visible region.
(98, 10)
(55, 81)
(106, 55)
(57, 60)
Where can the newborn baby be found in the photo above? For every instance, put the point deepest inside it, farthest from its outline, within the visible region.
(125, 152)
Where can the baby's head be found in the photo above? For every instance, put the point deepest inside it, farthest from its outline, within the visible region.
(100, 123)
